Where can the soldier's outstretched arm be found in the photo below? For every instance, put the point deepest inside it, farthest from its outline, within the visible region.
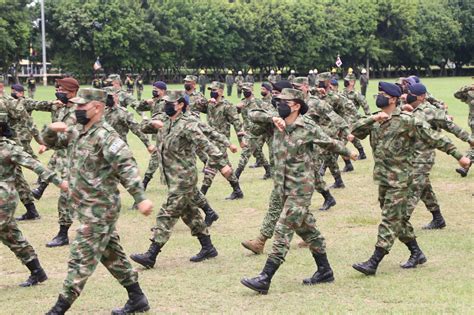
(361, 129)
(135, 128)
(444, 122)
(213, 135)
(202, 143)
(234, 118)
(320, 138)
(58, 135)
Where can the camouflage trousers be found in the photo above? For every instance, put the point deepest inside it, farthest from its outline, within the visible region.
(178, 206)
(22, 187)
(254, 146)
(330, 161)
(96, 243)
(470, 152)
(10, 234)
(153, 165)
(296, 218)
(395, 219)
(210, 173)
(65, 212)
(420, 188)
(26, 144)
(319, 183)
(357, 144)
(275, 206)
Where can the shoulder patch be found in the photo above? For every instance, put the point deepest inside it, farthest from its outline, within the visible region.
(116, 146)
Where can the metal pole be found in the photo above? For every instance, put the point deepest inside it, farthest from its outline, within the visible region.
(43, 44)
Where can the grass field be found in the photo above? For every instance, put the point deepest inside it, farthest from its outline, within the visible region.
(175, 285)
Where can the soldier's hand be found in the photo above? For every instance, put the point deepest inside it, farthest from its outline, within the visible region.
(354, 156)
(42, 149)
(321, 91)
(407, 108)
(145, 207)
(380, 117)
(212, 100)
(240, 105)
(58, 126)
(226, 171)
(465, 162)
(233, 148)
(151, 148)
(279, 123)
(64, 186)
(150, 101)
(350, 137)
(157, 124)
(58, 103)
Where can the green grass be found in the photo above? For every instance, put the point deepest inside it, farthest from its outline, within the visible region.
(175, 285)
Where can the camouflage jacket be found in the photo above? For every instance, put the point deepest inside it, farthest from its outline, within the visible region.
(125, 99)
(123, 122)
(177, 143)
(157, 106)
(239, 80)
(197, 102)
(325, 117)
(221, 116)
(42, 106)
(98, 161)
(434, 101)
(466, 95)
(272, 78)
(343, 107)
(260, 124)
(393, 145)
(294, 151)
(249, 78)
(20, 121)
(249, 104)
(291, 77)
(358, 99)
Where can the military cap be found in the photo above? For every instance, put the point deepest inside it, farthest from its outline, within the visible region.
(18, 87)
(247, 86)
(300, 81)
(160, 84)
(324, 76)
(409, 80)
(417, 89)
(69, 84)
(267, 85)
(390, 88)
(3, 117)
(190, 78)
(114, 77)
(350, 77)
(283, 84)
(87, 95)
(173, 96)
(294, 95)
(415, 78)
(216, 85)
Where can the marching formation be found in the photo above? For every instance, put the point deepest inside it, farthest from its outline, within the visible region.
(306, 122)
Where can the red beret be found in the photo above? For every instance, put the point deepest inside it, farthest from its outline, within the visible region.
(69, 84)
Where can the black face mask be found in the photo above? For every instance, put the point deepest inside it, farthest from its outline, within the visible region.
(411, 98)
(274, 102)
(169, 109)
(14, 95)
(6, 131)
(188, 87)
(62, 97)
(321, 85)
(264, 94)
(81, 116)
(247, 94)
(155, 93)
(214, 95)
(382, 101)
(110, 101)
(346, 83)
(284, 109)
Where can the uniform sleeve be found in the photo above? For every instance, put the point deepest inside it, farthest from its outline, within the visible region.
(27, 121)
(234, 118)
(321, 139)
(135, 128)
(260, 115)
(202, 143)
(43, 106)
(120, 157)
(213, 135)
(442, 121)
(362, 127)
(363, 102)
(56, 140)
(143, 106)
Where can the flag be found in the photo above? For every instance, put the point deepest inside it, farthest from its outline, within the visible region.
(97, 65)
(338, 61)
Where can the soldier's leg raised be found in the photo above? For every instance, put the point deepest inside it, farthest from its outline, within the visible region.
(331, 162)
(202, 203)
(260, 157)
(321, 187)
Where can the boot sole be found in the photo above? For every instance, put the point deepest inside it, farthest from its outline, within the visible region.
(142, 264)
(248, 285)
(364, 271)
(419, 262)
(250, 249)
(319, 282)
(56, 245)
(141, 310)
(32, 285)
(328, 207)
(205, 258)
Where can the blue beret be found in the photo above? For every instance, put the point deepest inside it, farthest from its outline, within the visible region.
(334, 82)
(415, 78)
(417, 89)
(410, 80)
(160, 84)
(18, 87)
(267, 85)
(390, 88)
(283, 84)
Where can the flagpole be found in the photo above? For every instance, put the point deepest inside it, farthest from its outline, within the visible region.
(43, 42)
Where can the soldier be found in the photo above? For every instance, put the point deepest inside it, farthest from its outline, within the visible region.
(393, 135)
(97, 154)
(294, 148)
(466, 95)
(272, 78)
(239, 81)
(253, 142)
(311, 78)
(221, 115)
(202, 81)
(424, 159)
(97, 82)
(139, 87)
(31, 83)
(25, 129)
(179, 138)
(291, 77)
(130, 84)
(357, 98)
(278, 76)
(364, 82)
(249, 77)
(12, 155)
(229, 82)
(125, 99)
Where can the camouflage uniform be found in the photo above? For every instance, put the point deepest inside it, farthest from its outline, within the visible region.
(130, 84)
(249, 78)
(291, 77)
(98, 161)
(272, 78)
(239, 81)
(123, 122)
(466, 95)
(358, 100)
(393, 143)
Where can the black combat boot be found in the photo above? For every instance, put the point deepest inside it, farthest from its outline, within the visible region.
(61, 239)
(416, 255)
(204, 189)
(238, 171)
(60, 308)
(369, 267)
(348, 167)
(362, 155)
(323, 273)
(37, 274)
(207, 249)
(38, 191)
(437, 222)
(338, 183)
(236, 193)
(329, 201)
(137, 301)
(146, 180)
(211, 215)
(256, 165)
(30, 214)
(147, 259)
(462, 171)
(268, 172)
(261, 283)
